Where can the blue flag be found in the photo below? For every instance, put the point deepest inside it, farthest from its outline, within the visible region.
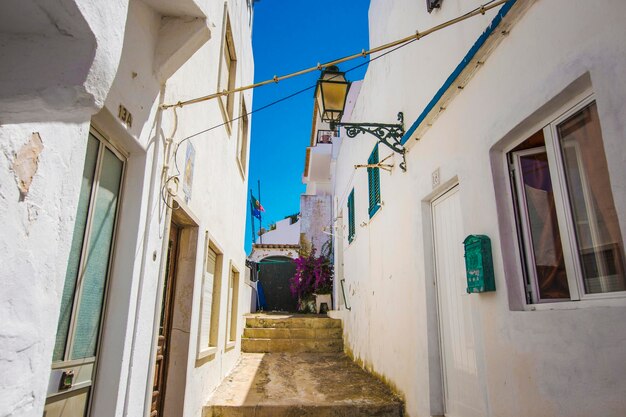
(256, 206)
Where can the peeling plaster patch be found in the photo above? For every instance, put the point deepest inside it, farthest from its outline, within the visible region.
(26, 163)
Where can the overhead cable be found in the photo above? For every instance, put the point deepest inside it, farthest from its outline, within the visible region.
(390, 47)
(481, 10)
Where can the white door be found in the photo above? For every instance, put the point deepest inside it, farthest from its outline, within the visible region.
(462, 392)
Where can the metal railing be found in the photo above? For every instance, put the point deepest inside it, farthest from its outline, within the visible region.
(326, 136)
(343, 292)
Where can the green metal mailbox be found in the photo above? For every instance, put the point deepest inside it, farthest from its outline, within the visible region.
(479, 264)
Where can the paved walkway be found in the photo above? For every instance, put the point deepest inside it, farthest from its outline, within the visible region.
(301, 384)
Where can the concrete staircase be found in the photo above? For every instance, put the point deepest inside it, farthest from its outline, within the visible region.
(291, 333)
(298, 369)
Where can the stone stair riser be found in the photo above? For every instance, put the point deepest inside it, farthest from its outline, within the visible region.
(292, 333)
(291, 345)
(290, 323)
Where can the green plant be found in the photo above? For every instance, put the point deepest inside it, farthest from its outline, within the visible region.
(314, 275)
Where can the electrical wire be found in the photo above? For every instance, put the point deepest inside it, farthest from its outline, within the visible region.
(482, 9)
(394, 45)
(174, 177)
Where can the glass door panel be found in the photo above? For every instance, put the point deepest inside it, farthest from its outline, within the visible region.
(71, 275)
(96, 267)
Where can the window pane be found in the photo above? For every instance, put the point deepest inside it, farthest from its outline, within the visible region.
(73, 263)
(544, 229)
(96, 267)
(598, 235)
(207, 299)
(225, 69)
(233, 304)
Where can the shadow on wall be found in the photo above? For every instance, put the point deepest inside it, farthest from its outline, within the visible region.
(47, 57)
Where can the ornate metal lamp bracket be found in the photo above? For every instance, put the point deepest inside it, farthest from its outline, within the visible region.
(389, 135)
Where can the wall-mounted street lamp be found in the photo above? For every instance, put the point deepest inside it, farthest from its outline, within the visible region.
(331, 94)
(432, 5)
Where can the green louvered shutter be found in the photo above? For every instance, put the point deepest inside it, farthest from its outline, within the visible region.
(351, 228)
(373, 179)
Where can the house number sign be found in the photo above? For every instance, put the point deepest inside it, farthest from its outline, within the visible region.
(125, 116)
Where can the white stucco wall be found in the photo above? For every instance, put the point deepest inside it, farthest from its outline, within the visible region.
(260, 253)
(219, 193)
(58, 60)
(35, 241)
(316, 212)
(286, 233)
(556, 361)
(38, 228)
(40, 93)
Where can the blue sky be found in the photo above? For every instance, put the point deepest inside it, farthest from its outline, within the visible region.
(290, 35)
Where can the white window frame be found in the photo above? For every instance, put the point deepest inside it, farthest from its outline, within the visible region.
(232, 305)
(210, 347)
(563, 210)
(227, 102)
(244, 132)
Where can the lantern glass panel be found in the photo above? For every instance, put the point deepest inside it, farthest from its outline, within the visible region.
(334, 95)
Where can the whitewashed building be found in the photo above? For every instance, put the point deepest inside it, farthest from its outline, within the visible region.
(123, 269)
(515, 131)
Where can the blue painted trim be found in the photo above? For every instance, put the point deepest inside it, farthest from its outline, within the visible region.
(374, 210)
(457, 71)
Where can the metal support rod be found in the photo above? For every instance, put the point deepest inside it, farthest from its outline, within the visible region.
(379, 165)
(385, 167)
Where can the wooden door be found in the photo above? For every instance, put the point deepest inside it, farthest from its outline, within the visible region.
(462, 391)
(169, 288)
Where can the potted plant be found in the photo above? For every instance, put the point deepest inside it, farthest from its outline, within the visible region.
(312, 282)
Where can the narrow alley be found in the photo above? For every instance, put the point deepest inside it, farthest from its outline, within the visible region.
(354, 208)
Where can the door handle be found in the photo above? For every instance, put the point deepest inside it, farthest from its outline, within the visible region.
(67, 379)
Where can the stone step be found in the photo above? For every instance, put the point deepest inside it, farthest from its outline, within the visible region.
(258, 345)
(292, 322)
(296, 410)
(292, 333)
(301, 385)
